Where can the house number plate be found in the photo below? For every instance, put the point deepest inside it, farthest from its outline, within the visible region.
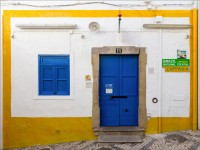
(118, 50)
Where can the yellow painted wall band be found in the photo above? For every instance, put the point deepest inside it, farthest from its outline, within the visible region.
(195, 69)
(22, 132)
(55, 130)
(168, 124)
(96, 13)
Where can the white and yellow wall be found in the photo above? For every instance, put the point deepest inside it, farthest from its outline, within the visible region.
(29, 119)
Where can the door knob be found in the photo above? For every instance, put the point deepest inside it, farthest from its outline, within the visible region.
(126, 110)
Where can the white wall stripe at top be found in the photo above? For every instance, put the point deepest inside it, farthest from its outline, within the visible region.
(100, 4)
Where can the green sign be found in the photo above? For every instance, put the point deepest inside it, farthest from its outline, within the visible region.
(175, 62)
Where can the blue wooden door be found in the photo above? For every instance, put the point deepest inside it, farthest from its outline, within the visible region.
(118, 93)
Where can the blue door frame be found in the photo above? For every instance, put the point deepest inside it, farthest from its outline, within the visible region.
(118, 92)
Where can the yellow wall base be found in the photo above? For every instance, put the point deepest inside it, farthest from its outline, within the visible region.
(168, 124)
(22, 132)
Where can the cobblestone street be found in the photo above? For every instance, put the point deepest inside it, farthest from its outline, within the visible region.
(182, 140)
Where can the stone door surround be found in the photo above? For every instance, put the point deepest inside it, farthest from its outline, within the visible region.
(119, 50)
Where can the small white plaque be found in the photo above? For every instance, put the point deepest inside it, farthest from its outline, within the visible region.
(151, 70)
(88, 84)
(109, 91)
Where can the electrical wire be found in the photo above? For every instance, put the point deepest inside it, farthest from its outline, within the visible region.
(74, 4)
(89, 3)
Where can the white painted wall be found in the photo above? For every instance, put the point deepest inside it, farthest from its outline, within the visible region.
(175, 89)
(27, 44)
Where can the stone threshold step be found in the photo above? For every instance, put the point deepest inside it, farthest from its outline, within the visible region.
(121, 132)
(119, 129)
(119, 139)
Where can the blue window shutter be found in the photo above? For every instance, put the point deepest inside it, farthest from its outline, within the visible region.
(47, 80)
(62, 80)
(54, 75)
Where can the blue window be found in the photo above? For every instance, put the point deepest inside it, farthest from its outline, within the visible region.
(54, 75)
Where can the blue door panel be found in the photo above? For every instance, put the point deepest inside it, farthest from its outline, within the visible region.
(110, 69)
(118, 77)
(128, 61)
(129, 87)
(109, 113)
(129, 122)
(109, 107)
(127, 83)
(129, 111)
